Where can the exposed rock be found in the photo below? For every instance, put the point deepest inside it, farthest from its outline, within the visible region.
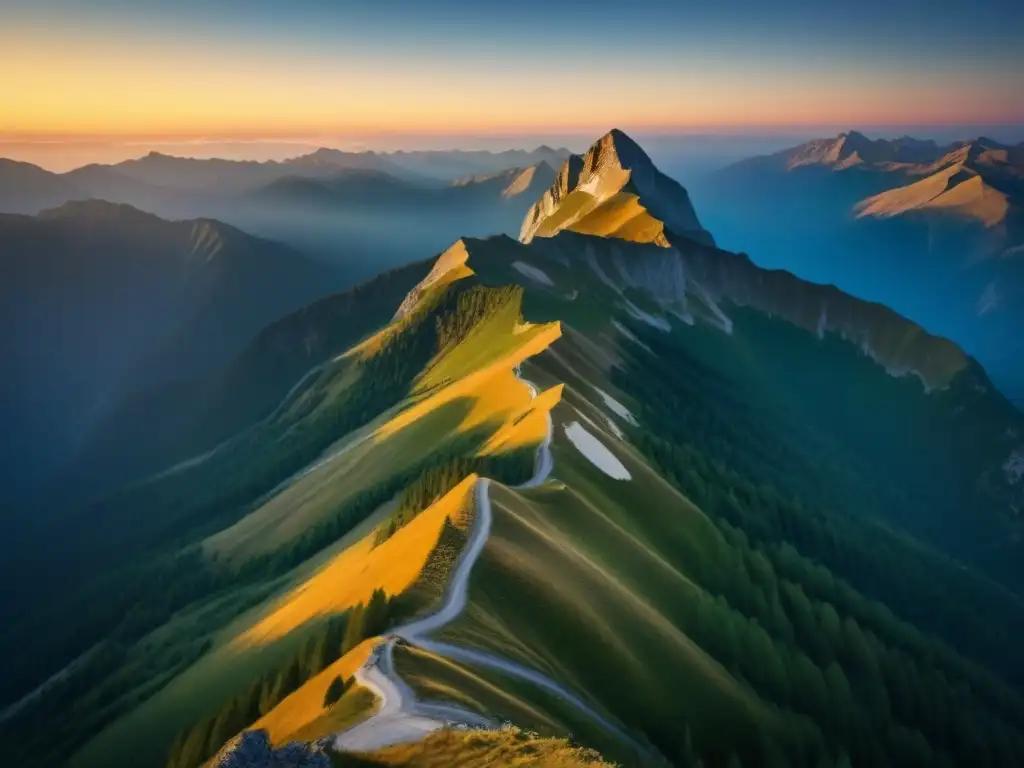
(614, 190)
(252, 749)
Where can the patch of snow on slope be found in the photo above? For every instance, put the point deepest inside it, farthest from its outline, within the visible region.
(615, 429)
(595, 452)
(616, 406)
(1014, 467)
(723, 320)
(657, 322)
(532, 272)
(630, 335)
(591, 259)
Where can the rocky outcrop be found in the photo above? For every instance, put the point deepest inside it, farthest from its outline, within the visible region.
(614, 190)
(700, 283)
(252, 749)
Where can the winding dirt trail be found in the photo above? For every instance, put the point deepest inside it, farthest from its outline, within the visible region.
(401, 718)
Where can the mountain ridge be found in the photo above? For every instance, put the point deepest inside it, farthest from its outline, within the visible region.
(928, 229)
(194, 290)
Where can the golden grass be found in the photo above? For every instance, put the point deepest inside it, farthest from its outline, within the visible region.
(483, 392)
(527, 426)
(624, 217)
(353, 575)
(303, 713)
(268, 636)
(500, 748)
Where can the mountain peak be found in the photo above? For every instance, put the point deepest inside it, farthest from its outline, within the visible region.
(614, 190)
(628, 151)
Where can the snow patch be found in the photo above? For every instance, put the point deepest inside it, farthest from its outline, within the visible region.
(1014, 467)
(618, 408)
(534, 273)
(656, 322)
(685, 317)
(591, 259)
(630, 335)
(718, 316)
(625, 332)
(595, 452)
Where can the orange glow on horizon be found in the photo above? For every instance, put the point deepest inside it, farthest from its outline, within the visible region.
(129, 91)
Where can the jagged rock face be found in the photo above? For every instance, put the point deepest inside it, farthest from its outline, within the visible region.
(252, 749)
(698, 283)
(614, 190)
(901, 346)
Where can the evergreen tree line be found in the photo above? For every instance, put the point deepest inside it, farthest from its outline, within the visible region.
(511, 468)
(199, 742)
(473, 306)
(169, 513)
(848, 677)
(121, 602)
(337, 688)
(723, 468)
(170, 584)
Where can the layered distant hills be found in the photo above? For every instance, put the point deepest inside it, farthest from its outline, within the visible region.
(342, 207)
(609, 482)
(98, 299)
(934, 231)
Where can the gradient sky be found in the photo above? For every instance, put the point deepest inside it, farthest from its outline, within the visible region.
(276, 69)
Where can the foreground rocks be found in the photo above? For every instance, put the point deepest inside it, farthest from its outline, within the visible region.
(252, 749)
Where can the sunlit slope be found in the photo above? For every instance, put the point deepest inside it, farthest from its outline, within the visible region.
(265, 637)
(352, 576)
(588, 580)
(464, 402)
(614, 190)
(302, 716)
(467, 399)
(500, 748)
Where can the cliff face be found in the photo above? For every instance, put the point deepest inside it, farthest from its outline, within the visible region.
(699, 283)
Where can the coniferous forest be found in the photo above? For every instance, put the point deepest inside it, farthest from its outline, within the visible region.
(874, 647)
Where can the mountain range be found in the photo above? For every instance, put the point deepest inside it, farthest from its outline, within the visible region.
(99, 299)
(26, 188)
(608, 493)
(340, 207)
(934, 231)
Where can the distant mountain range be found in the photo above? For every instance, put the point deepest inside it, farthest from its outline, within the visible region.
(26, 188)
(934, 231)
(98, 298)
(341, 207)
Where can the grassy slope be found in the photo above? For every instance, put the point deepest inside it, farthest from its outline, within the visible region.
(264, 639)
(616, 553)
(470, 390)
(302, 716)
(479, 749)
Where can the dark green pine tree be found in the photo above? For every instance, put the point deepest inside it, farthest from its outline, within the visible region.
(354, 631)
(334, 691)
(375, 618)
